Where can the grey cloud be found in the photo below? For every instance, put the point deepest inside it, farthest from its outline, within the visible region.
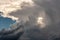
(33, 32)
(26, 11)
(32, 11)
(51, 8)
(50, 32)
(12, 34)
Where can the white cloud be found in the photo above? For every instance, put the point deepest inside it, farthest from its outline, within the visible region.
(8, 6)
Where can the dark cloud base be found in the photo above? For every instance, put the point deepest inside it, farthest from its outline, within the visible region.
(13, 34)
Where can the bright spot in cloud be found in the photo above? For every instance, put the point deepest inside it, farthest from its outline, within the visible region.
(40, 21)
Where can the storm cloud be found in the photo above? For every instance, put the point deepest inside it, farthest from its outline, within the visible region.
(49, 10)
(50, 32)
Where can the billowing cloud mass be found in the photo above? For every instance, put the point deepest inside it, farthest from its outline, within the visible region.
(7, 6)
(28, 15)
(21, 10)
(49, 10)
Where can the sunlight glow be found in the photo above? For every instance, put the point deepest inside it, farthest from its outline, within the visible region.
(40, 20)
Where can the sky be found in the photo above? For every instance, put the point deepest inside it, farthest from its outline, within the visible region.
(5, 22)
